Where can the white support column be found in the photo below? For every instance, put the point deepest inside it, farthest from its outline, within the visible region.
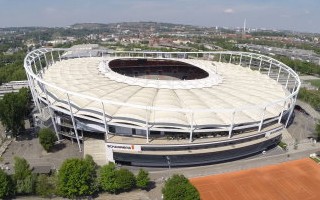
(260, 64)
(52, 60)
(269, 68)
(45, 58)
(232, 124)
(74, 123)
(35, 66)
(147, 125)
(230, 58)
(59, 56)
(40, 62)
(287, 80)
(191, 128)
(291, 110)
(262, 118)
(295, 82)
(279, 73)
(106, 128)
(34, 96)
(49, 106)
(250, 62)
(280, 117)
(220, 58)
(240, 59)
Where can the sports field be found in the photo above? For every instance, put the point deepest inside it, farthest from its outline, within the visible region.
(294, 180)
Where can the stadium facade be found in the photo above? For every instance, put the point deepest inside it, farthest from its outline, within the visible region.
(165, 108)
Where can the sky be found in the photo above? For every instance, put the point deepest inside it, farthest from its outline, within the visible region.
(297, 15)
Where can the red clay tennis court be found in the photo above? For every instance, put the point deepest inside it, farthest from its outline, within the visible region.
(294, 180)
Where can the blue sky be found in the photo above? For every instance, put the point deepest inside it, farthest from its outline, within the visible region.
(300, 15)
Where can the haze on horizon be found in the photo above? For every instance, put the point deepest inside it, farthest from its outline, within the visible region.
(296, 15)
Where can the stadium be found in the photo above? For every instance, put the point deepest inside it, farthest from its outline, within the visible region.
(164, 108)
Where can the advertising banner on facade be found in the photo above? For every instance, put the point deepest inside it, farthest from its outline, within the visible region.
(125, 147)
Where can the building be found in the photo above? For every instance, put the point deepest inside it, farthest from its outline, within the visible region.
(161, 108)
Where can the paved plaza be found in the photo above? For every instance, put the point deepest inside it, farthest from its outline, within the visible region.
(30, 149)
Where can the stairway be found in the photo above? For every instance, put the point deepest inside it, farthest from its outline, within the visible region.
(97, 149)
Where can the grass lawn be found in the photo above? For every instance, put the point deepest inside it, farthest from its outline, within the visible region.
(315, 83)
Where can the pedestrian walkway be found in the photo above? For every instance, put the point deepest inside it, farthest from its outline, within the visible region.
(4, 147)
(286, 137)
(132, 195)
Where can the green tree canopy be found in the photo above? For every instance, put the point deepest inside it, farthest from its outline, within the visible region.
(317, 131)
(22, 175)
(77, 177)
(21, 168)
(14, 107)
(124, 180)
(6, 185)
(47, 138)
(142, 179)
(178, 187)
(11, 67)
(45, 186)
(115, 181)
(107, 177)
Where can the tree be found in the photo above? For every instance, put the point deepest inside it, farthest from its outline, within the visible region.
(77, 177)
(124, 180)
(6, 185)
(115, 181)
(26, 185)
(178, 187)
(14, 107)
(21, 168)
(24, 180)
(142, 179)
(45, 186)
(47, 138)
(107, 177)
(317, 131)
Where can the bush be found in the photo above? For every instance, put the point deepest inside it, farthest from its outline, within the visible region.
(24, 180)
(142, 179)
(6, 185)
(107, 177)
(115, 181)
(26, 185)
(124, 180)
(45, 186)
(77, 177)
(21, 168)
(47, 138)
(178, 187)
(283, 145)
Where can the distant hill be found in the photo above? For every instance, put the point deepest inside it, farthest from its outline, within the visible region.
(88, 26)
(126, 24)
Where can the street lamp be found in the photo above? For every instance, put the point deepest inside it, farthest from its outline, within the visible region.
(168, 160)
(169, 163)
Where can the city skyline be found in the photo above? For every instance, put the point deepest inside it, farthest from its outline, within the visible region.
(282, 15)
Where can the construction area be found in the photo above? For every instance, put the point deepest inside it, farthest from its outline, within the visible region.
(293, 180)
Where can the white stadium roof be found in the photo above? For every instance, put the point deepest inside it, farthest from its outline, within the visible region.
(239, 87)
